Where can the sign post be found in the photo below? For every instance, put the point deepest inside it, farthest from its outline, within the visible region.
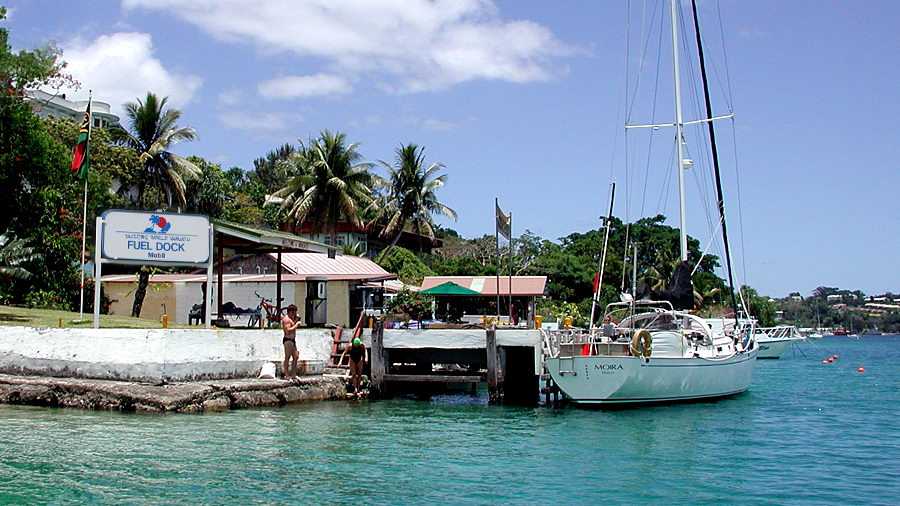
(153, 238)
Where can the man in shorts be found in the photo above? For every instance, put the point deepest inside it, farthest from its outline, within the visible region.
(289, 324)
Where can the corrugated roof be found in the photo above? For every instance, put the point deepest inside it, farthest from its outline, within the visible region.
(241, 278)
(487, 285)
(255, 238)
(313, 264)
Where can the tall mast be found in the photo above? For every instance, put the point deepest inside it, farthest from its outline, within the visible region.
(715, 156)
(679, 132)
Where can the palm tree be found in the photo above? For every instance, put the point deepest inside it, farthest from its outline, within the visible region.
(152, 131)
(411, 194)
(13, 254)
(331, 183)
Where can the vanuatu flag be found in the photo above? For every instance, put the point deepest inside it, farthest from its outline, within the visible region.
(81, 151)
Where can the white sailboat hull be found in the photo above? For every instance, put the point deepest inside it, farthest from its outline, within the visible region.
(630, 380)
(773, 348)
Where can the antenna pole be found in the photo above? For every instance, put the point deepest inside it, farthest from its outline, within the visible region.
(679, 132)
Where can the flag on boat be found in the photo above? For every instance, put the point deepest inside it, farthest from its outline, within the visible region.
(503, 222)
(81, 151)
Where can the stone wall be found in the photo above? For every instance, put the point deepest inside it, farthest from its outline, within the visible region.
(153, 355)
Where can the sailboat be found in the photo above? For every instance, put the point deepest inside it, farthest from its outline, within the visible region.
(817, 333)
(650, 351)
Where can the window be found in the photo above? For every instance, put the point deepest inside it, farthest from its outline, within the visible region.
(97, 123)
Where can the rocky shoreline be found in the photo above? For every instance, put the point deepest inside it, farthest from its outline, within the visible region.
(187, 397)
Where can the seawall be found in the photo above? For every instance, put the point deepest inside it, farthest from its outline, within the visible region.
(158, 355)
(194, 397)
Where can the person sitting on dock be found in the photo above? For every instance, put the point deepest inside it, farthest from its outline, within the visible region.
(289, 324)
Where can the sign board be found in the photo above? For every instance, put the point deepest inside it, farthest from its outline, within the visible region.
(155, 238)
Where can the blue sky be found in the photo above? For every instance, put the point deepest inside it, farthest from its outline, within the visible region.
(524, 100)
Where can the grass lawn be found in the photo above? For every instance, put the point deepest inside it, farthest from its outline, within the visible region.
(50, 318)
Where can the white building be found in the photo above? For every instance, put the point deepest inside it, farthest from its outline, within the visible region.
(47, 105)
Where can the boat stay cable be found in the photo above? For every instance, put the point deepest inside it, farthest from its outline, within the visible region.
(715, 156)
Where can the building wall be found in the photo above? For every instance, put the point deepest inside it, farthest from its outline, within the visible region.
(338, 303)
(180, 297)
(121, 297)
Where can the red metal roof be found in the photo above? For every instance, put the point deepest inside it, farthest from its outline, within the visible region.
(487, 285)
(300, 266)
(314, 264)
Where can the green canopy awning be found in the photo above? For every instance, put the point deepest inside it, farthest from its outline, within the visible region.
(449, 288)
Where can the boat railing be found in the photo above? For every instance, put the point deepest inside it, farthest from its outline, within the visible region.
(780, 332)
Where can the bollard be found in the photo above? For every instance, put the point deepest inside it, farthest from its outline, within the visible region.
(165, 321)
(60, 323)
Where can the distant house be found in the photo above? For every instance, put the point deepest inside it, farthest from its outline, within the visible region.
(835, 297)
(46, 105)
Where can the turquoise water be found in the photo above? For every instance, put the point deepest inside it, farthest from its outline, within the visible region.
(805, 433)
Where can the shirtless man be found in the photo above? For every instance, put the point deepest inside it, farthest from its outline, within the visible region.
(289, 324)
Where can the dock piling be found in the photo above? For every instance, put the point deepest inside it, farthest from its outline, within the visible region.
(377, 358)
(493, 379)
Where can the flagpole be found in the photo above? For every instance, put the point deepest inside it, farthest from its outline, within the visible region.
(510, 268)
(497, 242)
(84, 210)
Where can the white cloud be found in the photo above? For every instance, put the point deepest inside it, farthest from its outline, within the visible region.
(256, 121)
(121, 67)
(304, 86)
(230, 97)
(410, 45)
(438, 124)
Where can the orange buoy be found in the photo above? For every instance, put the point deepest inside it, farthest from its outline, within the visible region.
(861, 370)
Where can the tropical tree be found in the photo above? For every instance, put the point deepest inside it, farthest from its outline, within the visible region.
(270, 170)
(331, 183)
(411, 196)
(153, 129)
(14, 254)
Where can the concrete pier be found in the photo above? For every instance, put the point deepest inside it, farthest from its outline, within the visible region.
(423, 360)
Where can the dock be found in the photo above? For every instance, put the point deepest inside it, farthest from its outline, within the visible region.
(508, 361)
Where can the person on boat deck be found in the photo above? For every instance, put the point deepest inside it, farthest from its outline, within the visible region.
(289, 324)
(357, 351)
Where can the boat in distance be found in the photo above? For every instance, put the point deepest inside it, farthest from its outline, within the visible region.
(774, 341)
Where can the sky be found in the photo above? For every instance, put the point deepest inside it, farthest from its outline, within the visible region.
(525, 101)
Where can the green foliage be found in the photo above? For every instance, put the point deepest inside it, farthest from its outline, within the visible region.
(559, 310)
(152, 130)
(760, 306)
(413, 304)
(39, 68)
(210, 194)
(271, 172)
(405, 264)
(330, 184)
(410, 195)
(45, 299)
(14, 253)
